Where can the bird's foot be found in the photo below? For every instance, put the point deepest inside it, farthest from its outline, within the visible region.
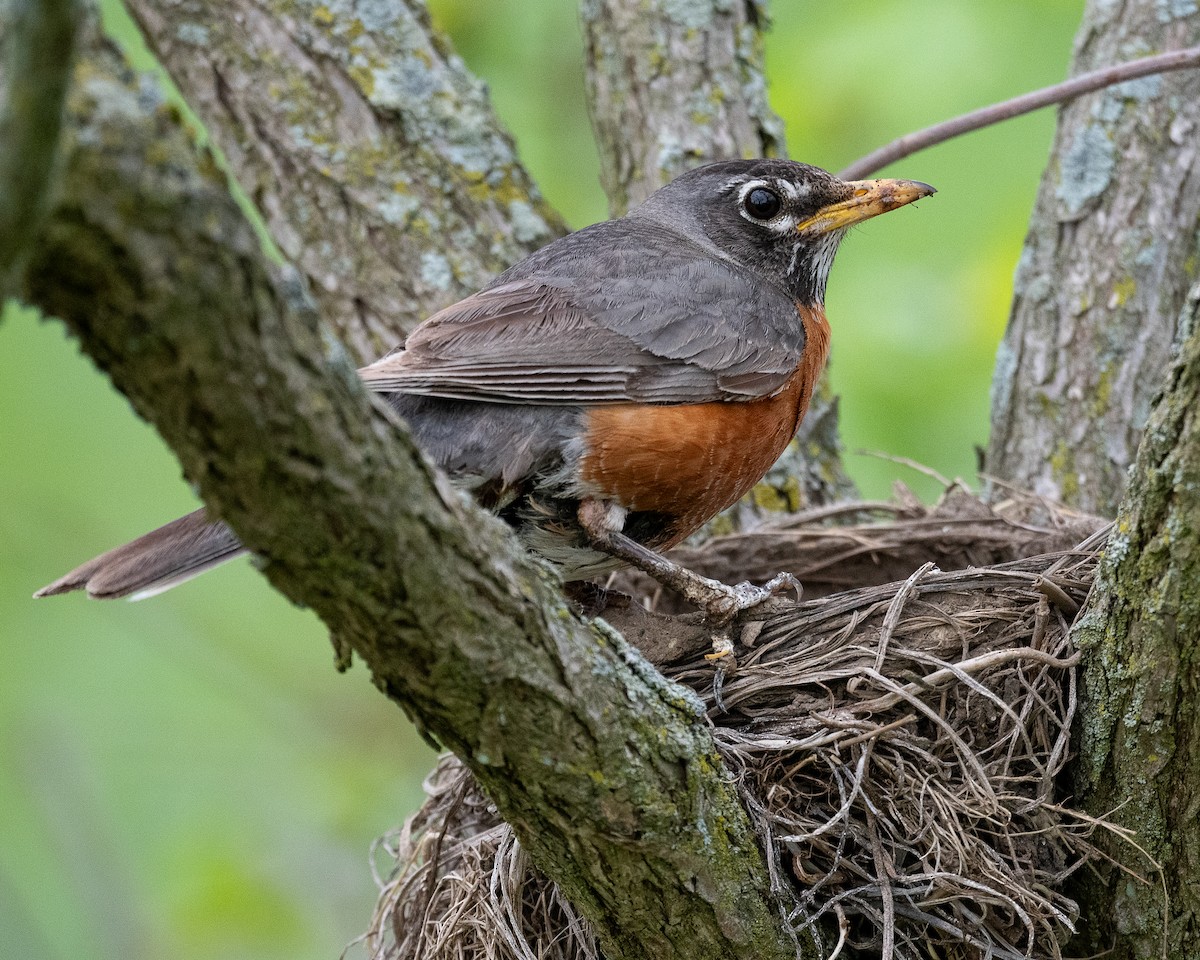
(722, 602)
(727, 603)
(603, 521)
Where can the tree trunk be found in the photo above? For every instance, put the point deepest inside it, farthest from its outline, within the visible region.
(371, 152)
(608, 772)
(1112, 250)
(1139, 762)
(673, 86)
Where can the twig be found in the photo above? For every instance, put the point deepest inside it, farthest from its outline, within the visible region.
(1026, 103)
(883, 873)
(879, 454)
(843, 931)
(1056, 595)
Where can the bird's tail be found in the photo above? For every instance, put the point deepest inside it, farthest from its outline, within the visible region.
(152, 563)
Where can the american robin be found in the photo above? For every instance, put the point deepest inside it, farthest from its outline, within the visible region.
(613, 391)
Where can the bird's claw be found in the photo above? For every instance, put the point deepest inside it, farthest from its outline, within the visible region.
(726, 602)
(726, 663)
(781, 583)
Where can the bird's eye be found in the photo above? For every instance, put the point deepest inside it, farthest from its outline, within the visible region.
(761, 203)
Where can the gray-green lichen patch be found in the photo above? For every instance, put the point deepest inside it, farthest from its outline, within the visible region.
(1168, 10)
(1108, 108)
(1150, 255)
(669, 152)
(476, 156)
(1087, 168)
(689, 14)
(397, 207)
(527, 225)
(400, 84)
(376, 15)
(1030, 282)
(1142, 88)
(435, 270)
(193, 33)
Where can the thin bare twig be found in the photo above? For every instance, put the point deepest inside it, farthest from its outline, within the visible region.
(1059, 93)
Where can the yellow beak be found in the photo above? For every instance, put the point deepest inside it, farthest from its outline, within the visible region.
(868, 199)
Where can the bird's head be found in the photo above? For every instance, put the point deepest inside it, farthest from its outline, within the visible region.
(782, 220)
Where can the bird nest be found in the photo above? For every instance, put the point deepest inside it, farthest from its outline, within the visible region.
(898, 747)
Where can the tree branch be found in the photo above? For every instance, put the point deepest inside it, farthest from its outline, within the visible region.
(911, 143)
(1140, 746)
(672, 86)
(38, 45)
(607, 772)
(372, 153)
(1111, 252)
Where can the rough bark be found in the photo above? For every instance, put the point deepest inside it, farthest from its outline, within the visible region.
(372, 153)
(38, 40)
(673, 85)
(607, 772)
(1112, 249)
(1139, 761)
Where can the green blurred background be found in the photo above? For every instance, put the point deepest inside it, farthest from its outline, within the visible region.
(188, 777)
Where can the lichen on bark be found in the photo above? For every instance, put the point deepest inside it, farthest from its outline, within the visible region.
(1112, 249)
(371, 151)
(1139, 761)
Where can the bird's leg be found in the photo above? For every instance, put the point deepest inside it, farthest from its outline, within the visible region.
(603, 522)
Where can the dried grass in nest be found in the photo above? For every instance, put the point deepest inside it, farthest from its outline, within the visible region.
(897, 747)
(850, 545)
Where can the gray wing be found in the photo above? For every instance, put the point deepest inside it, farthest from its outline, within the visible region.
(589, 320)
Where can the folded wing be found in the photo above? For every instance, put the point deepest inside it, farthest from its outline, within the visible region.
(551, 336)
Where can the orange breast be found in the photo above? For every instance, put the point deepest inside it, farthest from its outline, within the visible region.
(691, 461)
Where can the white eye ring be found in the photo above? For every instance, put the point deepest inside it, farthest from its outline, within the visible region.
(778, 221)
(767, 210)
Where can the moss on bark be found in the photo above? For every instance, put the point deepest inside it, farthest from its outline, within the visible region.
(1140, 740)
